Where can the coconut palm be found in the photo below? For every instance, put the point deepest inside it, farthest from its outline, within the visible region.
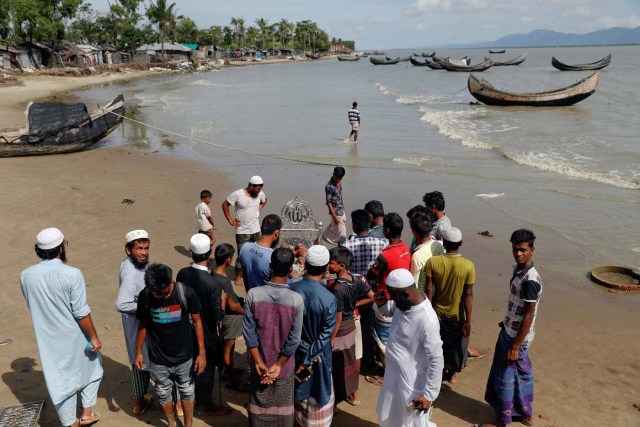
(161, 13)
(263, 26)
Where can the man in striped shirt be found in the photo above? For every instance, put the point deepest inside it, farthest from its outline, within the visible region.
(354, 121)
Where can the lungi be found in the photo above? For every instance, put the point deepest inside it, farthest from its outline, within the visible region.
(308, 412)
(344, 370)
(380, 330)
(271, 405)
(510, 384)
(454, 346)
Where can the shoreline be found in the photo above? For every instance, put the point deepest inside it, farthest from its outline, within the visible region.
(580, 328)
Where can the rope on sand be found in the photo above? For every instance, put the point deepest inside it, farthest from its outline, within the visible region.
(239, 150)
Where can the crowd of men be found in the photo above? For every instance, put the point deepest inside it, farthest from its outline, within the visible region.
(312, 317)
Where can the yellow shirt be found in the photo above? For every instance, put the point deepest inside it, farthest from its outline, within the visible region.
(449, 274)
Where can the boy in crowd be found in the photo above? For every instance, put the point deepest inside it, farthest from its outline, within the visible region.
(203, 215)
(336, 231)
(232, 321)
(164, 308)
(351, 291)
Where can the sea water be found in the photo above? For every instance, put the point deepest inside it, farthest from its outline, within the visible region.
(572, 174)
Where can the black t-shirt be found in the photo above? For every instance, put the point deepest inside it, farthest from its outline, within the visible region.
(210, 297)
(224, 283)
(169, 332)
(348, 293)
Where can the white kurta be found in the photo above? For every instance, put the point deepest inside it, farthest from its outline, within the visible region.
(131, 284)
(414, 364)
(56, 296)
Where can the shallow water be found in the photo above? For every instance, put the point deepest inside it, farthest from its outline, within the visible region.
(572, 174)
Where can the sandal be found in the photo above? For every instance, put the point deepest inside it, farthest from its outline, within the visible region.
(353, 402)
(374, 379)
(93, 418)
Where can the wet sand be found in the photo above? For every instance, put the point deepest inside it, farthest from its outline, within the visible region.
(584, 354)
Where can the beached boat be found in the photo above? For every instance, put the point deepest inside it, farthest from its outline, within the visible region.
(515, 61)
(376, 60)
(597, 65)
(433, 65)
(57, 128)
(312, 55)
(449, 66)
(348, 58)
(497, 50)
(418, 63)
(406, 58)
(485, 92)
(429, 55)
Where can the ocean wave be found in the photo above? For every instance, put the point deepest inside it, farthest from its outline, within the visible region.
(204, 129)
(460, 126)
(202, 82)
(490, 195)
(411, 160)
(560, 166)
(384, 89)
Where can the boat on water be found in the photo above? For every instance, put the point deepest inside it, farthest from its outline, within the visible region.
(497, 50)
(376, 60)
(419, 63)
(429, 55)
(485, 92)
(406, 58)
(515, 61)
(597, 65)
(449, 66)
(348, 58)
(464, 61)
(58, 128)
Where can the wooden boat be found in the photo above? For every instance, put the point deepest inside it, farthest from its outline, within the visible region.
(598, 65)
(485, 92)
(467, 68)
(433, 65)
(497, 51)
(312, 55)
(348, 58)
(464, 61)
(406, 58)
(429, 55)
(57, 128)
(418, 63)
(515, 61)
(376, 60)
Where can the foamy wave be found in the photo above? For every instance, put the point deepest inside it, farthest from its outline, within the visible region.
(548, 163)
(384, 89)
(459, 125)
(204, 129)
(490, 195)
(202, 82)
(636, 249)
(411, 160)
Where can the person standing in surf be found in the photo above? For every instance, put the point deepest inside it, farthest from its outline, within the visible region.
(354, 121)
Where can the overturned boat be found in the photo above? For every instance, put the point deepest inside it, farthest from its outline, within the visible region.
(485, 92)
(57, 128)
(597, 65)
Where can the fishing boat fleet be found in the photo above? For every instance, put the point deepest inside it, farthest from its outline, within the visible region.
(488, 94)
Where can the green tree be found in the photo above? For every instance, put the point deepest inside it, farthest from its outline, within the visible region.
(263, 27)
(228, 36)
(161, 13)
(186, 31)
(251, 37)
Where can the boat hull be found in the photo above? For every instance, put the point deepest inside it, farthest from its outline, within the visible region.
(597, 65)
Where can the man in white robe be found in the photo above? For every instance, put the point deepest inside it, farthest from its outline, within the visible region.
(413, 372)
(67, 340)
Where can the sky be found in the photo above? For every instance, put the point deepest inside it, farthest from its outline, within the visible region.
(388, 24)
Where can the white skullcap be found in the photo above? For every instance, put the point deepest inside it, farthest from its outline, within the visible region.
(49, 238)
(317, 255)
(256, 180)
(200, 244)
(452, 234)
(400, 278)
(136, 235)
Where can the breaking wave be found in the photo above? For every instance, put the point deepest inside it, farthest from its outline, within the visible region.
(460, 126)
(202, 82)
(411, 160)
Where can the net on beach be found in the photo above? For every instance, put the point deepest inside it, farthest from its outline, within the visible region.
(22, 415)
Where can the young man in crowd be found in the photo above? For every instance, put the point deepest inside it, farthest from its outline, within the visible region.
(510, 384)
(413, 375)
(164, 309)
(376, 216)
(232, 321)
(435, 202)
(272, 326)
(349, 290)
(426, 247)
(449, 280)
(314, 397)
(131, 284)
(336, 231)
(213, 300)
(254, 257)
(247, 202)
(395, 255)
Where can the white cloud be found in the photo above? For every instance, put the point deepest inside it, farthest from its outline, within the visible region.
(424, 6)
(583, 11)
(527, 19)
(630, 21)
(420, 27)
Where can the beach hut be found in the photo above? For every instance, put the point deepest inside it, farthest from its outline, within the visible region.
(172, 52)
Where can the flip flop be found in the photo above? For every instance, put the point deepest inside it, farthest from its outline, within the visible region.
(145, 405)
(179, 411)
(374, 379)
(353, 402)
(94, 418)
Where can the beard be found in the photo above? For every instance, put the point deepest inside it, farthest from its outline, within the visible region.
(403, 303)
(275, 243)
(139, 265)
(63, 254)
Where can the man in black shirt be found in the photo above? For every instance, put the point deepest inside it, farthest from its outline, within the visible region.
(213, 300)
(164, 307)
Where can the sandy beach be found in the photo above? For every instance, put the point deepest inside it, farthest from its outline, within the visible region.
(585, 353)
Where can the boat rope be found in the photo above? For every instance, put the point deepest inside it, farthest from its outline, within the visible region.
(239, 150)
(615, 100)
(450, 95)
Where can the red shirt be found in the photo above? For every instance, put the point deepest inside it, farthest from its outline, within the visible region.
(394, 256)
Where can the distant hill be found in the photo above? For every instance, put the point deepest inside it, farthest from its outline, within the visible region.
(543, 38)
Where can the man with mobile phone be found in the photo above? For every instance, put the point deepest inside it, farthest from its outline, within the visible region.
(413, 373)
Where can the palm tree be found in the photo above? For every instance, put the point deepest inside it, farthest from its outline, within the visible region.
(263, 25)
(160, 13)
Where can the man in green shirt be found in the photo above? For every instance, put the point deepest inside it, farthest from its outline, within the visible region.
(449, 282)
